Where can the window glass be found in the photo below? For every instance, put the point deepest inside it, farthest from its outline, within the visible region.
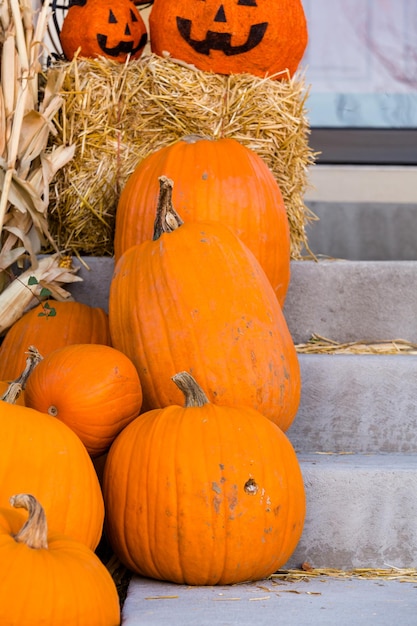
(361, 63)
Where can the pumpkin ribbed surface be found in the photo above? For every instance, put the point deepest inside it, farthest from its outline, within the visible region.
(48, 578)
(214, 180)
(197, 300)
(74, 322)
(42, 456)
(203, 495)
(92, 388)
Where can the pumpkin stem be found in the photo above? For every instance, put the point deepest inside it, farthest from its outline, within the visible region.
(167, 219)
(194, 395)
(34, 531)
(15, 388)
(33, 358)
(12, 393)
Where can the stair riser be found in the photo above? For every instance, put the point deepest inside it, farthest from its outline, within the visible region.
(352, 300)
(341, 300)
(361, 511)
(360, 403)
(378, 231)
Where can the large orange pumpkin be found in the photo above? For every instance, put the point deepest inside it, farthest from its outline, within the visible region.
(92, 388)
(42, 456)
(203, 494)
(220, 180)
(73, 322)
(108, 28)
(47, 578)
(260, 37)
(196, 299)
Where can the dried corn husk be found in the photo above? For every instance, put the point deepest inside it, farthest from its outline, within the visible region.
(27, 163)
(26, 288)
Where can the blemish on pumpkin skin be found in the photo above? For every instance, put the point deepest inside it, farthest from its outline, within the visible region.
(250, 487)
(217, 504)
(216, 487)
(204, 176)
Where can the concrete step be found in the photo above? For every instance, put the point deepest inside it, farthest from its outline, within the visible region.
(361, 511)
(352, 300)
(364, 231)
(342, 300)
(356, 403)
(317, 601)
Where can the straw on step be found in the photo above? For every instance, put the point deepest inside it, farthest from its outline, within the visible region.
(323, 345)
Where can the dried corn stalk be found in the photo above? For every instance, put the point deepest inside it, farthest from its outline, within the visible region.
(27, 164)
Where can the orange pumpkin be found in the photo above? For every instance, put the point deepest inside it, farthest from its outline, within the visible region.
(196, 299)
(94, 389)
(109, 28)
(73, 322)
(36, 562)
(217, 180)
(258, 37)
(203, 494)
(43, 456)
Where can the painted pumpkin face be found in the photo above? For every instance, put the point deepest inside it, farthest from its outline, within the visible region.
(109, 28)
(231, 36)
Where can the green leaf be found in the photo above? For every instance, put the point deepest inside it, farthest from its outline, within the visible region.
(33, 280)
(45, 293)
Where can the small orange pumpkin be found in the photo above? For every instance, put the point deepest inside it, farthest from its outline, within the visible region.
(197, 299)
(37, 561)
(108, 28)
(43, 456)
(203, 494)
(73, 322)
(92, 388)
(219, 180)
(258, 37)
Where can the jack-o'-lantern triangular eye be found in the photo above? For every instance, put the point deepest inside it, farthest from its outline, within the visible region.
(248, 3)
(220, 15)
(133, 16)
(112, 17)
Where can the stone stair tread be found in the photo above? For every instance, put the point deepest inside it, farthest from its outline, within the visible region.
(322, 601)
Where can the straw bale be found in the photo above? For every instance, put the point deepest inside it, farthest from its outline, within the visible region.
(117, 114)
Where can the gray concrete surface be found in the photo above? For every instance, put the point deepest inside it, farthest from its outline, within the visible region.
(318, 602)
(361, 510)
(364, 231)
(356, 402)
(352, 300)
(341, 300)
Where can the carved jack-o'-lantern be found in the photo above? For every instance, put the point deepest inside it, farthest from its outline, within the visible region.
(260, 37)
(109, 28)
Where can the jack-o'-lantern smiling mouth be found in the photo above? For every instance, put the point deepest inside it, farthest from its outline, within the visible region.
(221, 41)
(123, 47)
